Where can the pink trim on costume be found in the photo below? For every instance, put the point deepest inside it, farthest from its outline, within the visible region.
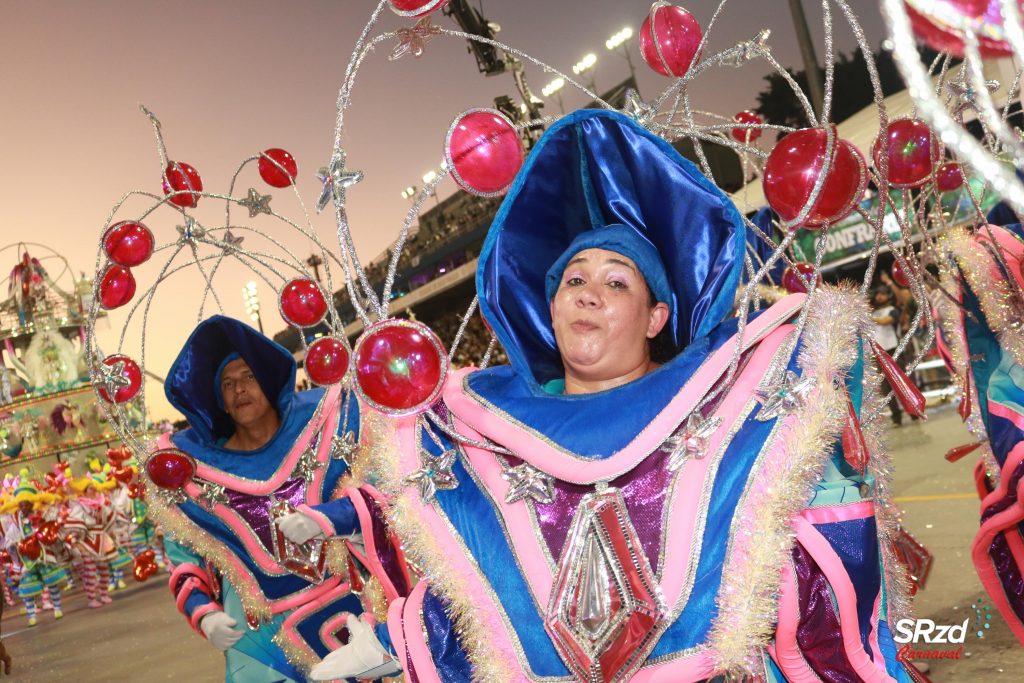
(314, 491)
(201, 612)
(1007, 413)
(289, 627)
(396, 632)
(371, 559)
(787, 652)
(846, 601)
(284, 470)
(839, 513)
(876, 649)
(993, 526)
(415, 639)
(567, 468)
(330, 627)
(1011, 246)
(186, 568)
(320, 518)
(188, 585)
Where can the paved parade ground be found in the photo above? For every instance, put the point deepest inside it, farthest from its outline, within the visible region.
(141, 637)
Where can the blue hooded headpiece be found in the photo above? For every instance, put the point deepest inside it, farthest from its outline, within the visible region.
(596, 168)
(193, 385)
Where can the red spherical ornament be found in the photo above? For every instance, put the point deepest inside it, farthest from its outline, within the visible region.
(128, 243)
(670, 39)
(794, 167)
(130, 380)
(483, 151)
(400, 366)
(122, 474)
(912, 152)
(29, 548)
(746, 135)
(302, 303)
(143, 569)
(277, 167)
(170, 468)
(795, 281)
(415, 8)
(326, 361)
(180, 177)
(49, 532)
(117, 287)
(942, 24)
(136, 490)
(899, 275)
(949, 177)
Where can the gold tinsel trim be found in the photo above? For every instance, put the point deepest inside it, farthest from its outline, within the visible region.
(177, 524)
(301, 656)
(748, 599)
(446, 581)
(994, 294)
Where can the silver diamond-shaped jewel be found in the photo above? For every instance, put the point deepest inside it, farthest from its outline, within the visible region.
(526, 481)
(435, 475)
(691, 441)
(784, 396)
(256, 203)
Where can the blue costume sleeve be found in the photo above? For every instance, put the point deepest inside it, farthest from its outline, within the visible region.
(189, 584)
(339, 514)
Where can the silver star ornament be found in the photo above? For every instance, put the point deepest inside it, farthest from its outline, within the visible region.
(343, 447)
(743, 52)
(413, 40)
(191, 232)
(210, 494)
(690, 442)
(256, 203)
(336, 180)
(112, 377)
(787, 395)
(526, 481)
(435, 475)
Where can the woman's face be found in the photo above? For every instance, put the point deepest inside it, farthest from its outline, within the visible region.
(602, 316)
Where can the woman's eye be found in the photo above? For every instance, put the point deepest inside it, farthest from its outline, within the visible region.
(574, 281)
(618, 284)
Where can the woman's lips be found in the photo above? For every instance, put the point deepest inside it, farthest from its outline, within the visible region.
(581, 326)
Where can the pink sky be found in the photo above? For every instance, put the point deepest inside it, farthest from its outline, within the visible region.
(230, 78)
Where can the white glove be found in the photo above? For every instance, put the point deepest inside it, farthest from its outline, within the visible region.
(299, 527)
(216, 626)
(362, 657)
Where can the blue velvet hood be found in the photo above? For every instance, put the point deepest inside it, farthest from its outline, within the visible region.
(190, 384)
(595, 168)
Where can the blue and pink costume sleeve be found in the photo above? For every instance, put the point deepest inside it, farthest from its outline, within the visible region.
(983, 343)
(647, 532)
(226, 552)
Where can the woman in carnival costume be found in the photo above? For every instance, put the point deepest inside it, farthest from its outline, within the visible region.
(257, 538)
(600, 517)
(982, 341)
(41, 569)
(91, 524)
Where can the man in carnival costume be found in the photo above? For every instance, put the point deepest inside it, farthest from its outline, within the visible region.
(255, 535)
(91, 525)
(603, 517)
(982, 341)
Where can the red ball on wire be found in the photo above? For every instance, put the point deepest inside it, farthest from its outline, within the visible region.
(670, 39)
(117, 287)
(326, 361)
(128, 243)
(302, 303)
(746, 135)
(277, 167)
(183, 178)
(400, 366)
(949, 177)
(483, 151)
(912, 151)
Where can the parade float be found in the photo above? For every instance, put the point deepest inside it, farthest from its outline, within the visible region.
(48, 409)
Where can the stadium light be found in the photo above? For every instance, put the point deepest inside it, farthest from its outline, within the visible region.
(252, 303)
(618, 40)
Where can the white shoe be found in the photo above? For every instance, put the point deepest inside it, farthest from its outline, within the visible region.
(362, 657)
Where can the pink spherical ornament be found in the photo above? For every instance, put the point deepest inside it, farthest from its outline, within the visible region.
(415, 8)
(794, 167)
(400, 366)
(899, 275)
(746, 135)
(949, 177)
(302, 303)
(670, 39)
(180, 177)
(170, 468)
(795, 281)
(277, 167)
(942, 24)
(128, 243)
(117, 287)
(483, 151)
(326, 361)
(129, 383)
(912, 152)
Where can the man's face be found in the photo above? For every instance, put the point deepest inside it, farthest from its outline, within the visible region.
(243, 398)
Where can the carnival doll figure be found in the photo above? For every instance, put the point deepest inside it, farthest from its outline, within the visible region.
(90, 524)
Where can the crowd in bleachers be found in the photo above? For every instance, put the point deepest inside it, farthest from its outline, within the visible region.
(474, 341)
